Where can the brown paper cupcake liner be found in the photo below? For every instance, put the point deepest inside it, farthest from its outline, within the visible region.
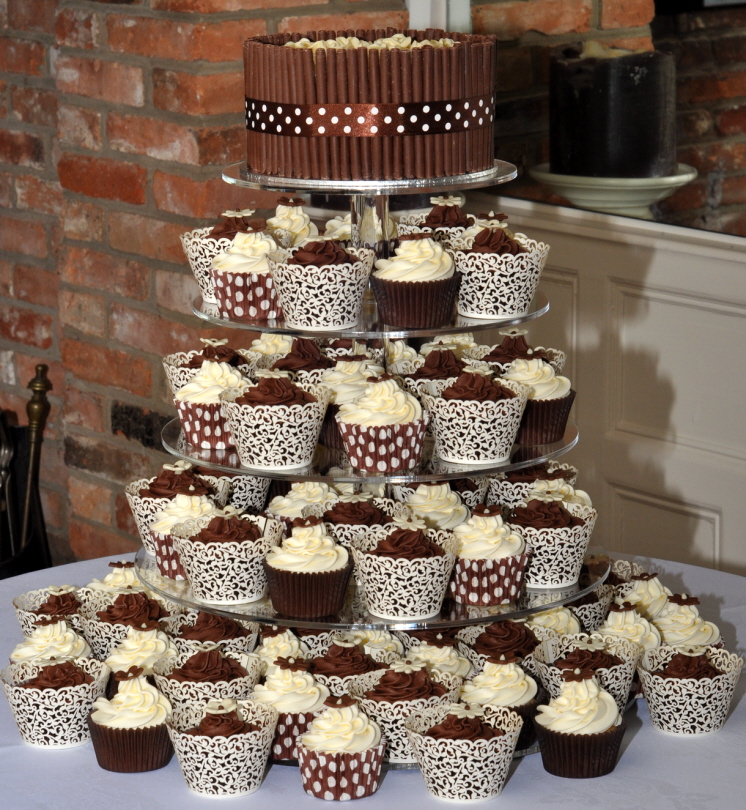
(415, 304)
(330, 436)
(303, 595)
(527, 712)
(340, 776)
(544, 420)
(384, 448)
(203, 425)
(167, 558)
(580, 756)
(290, 725)
(131, 750)
(246, 296)
(488, 582)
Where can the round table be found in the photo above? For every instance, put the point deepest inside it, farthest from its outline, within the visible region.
(655, 771)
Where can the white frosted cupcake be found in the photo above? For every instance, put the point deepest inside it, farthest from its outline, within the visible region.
(291, 225)
(442, 657)
(347, 381)
(646, 593)
(559, 620)
(625, 622)
(339, 228)
(268, 348)
(681, 626)
(302, 494)
(438, 506)
(141, 648)
(278, 642)
(51, 638)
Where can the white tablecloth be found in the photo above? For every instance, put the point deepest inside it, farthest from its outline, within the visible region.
(655, 771)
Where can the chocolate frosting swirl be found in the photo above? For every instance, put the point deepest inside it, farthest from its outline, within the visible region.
(222, 725)
(275, 391)
(63, 604)
(340, 701)
(689, 666)
(360, 513)
(211, 627)
(216, 354)
(476, 388)
(440, 364)
(294, 664)
(169, 484)
(462, 728)
(58, 676)
(208, 667)
(134, 610)
(447, 216)
(539, 472)
(496, 240)
(395, 686)
(344, 661)
(305, 355)
(229, 530)
(321, 254)
(228, 227)
(445, 637)
(506, 636)
(587, 659)
(544, 515)
(514, 347)
(406, 544)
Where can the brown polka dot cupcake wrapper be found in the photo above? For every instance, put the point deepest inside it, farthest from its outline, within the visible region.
(544, 420)
(204, 426)
(340, 776)
(290, 725)
(246, 296)
(386, 448)
(166, 556)
(488, 582)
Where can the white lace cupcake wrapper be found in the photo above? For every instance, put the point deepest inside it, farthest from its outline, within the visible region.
(386, 448)
(509, 494)
(592, 616)
(178, 375)
(555, 357)
(200, 250)
(27, 603)
(340, 776)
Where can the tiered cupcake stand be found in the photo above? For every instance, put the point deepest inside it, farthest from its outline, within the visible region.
(332, 467)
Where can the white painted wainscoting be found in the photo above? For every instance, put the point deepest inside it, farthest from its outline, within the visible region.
(653, 318)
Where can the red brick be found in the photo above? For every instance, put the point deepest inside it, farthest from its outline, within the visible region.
(99, 177)
(107, 81)
(26, 371)
(86, 313)
(689, 53)
(215, 6)
(6, 278)
(21, 149)
(78, 126)
(83, 221)
(23, 236)
(124, 519)
(734, 190)
(103, 272)
(89, 541)
(22, 56)
(626, 13)
(175, 291)
(75, 28)
(7, 185)
(102, 366)
(32, 15)
(205, 199)
(511, 19)
(38, 194)
(26, 326)
(693, 124)
(734, 223)
(688, 198)
(144, 236)
(166, 39)
(36, 286)
(34, 106)
(53, 468)
(732, 121)
(716, 155)
(220, 146)
(13, 404)
(631, 43)
(712, 18)
(212, 94)
(54, 506)
(514, 69)
(712, 88)
(336, 22)
(3, 99)
(150, 332)
(105, 460)
(89, 500)
(84, 409)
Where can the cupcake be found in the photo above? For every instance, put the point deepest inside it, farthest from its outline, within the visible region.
(353, 515)
(625, 622)
(441, 657)
(558, 620)
(59, 602)
(223, 556)
(417, 288)
(380, 645)
(242, 283)
(51, 701)
(321, 284)
(223, 747)
(440, 369)
(464, 752)
(297, 696)
(340, 663)
(308, 574)
(514, 346)
(580, 731)
(646, 593)
(404, 573)
(279, 642)
(490, 560)
(681, 626)
(462, 238)
(142, 649)
(129, 731)
(291, 225)
(182, 366)
(689, 693)
(550, 398)
(203, 244)
(190, 632)
(122, 578)
(341, 753)
(511, 488)
(501, 638)
(350, 348)
(275, 424)
(438, 506)
(301, 494)
(383, 429)
(339, 228)
(268, 348)
(401, 358)
(51, 638)
(446, 219)
(347, 381)
(475, 420)
(592, 609)
(304, 362)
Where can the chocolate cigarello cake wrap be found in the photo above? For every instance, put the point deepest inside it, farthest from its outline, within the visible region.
(62, 602)
(580, 732)
(466, 762)
(558, 535)
(417, 287)
(309, 573)
(404, 573)
(223, 747)
(514, 346)
(594, 608)
(325, 294)
(276, 424)
(613, 660)
(510, 489)
(683, 695)
(51, 701)
(192, 632)
(390, 696)
(223, 556)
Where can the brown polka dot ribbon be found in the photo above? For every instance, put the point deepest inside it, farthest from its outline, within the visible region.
(369, 120)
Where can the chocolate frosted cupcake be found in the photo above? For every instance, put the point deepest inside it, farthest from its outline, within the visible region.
(305, 362)
(341, 662)
(511, 488)
(464, 752)
(416, 288)
(504, 637)
(353, 515)
(404, 574)
(440, 369)
(191, 631)
(321, 284)
(475, 420)
(276, 424)
(514, 346)
(180, 367)
(308, 574)
(60, 602)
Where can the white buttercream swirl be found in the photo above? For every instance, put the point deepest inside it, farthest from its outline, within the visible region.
(397, 350)
(582, 707)
(140, 648)
(457, 343)
(560, 619)
(272, 343)
(539, 376)
(339, 228)
(293, 218)
(348, 380)
(55, 640)
(118, 579)
(382, 403)
(209, 383)
(681, 625)
(180, 509)
(438, 506)
(301, 494)
(342, 729)
(291, 692)
(499, 685)
(283, 645)
(487, 537)
(442, 659)
(137, 704)
(309, 550)
(416, 260)
(558, 490)
(648, 597)
(374, 641)
(630, 625)
(248, 254)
